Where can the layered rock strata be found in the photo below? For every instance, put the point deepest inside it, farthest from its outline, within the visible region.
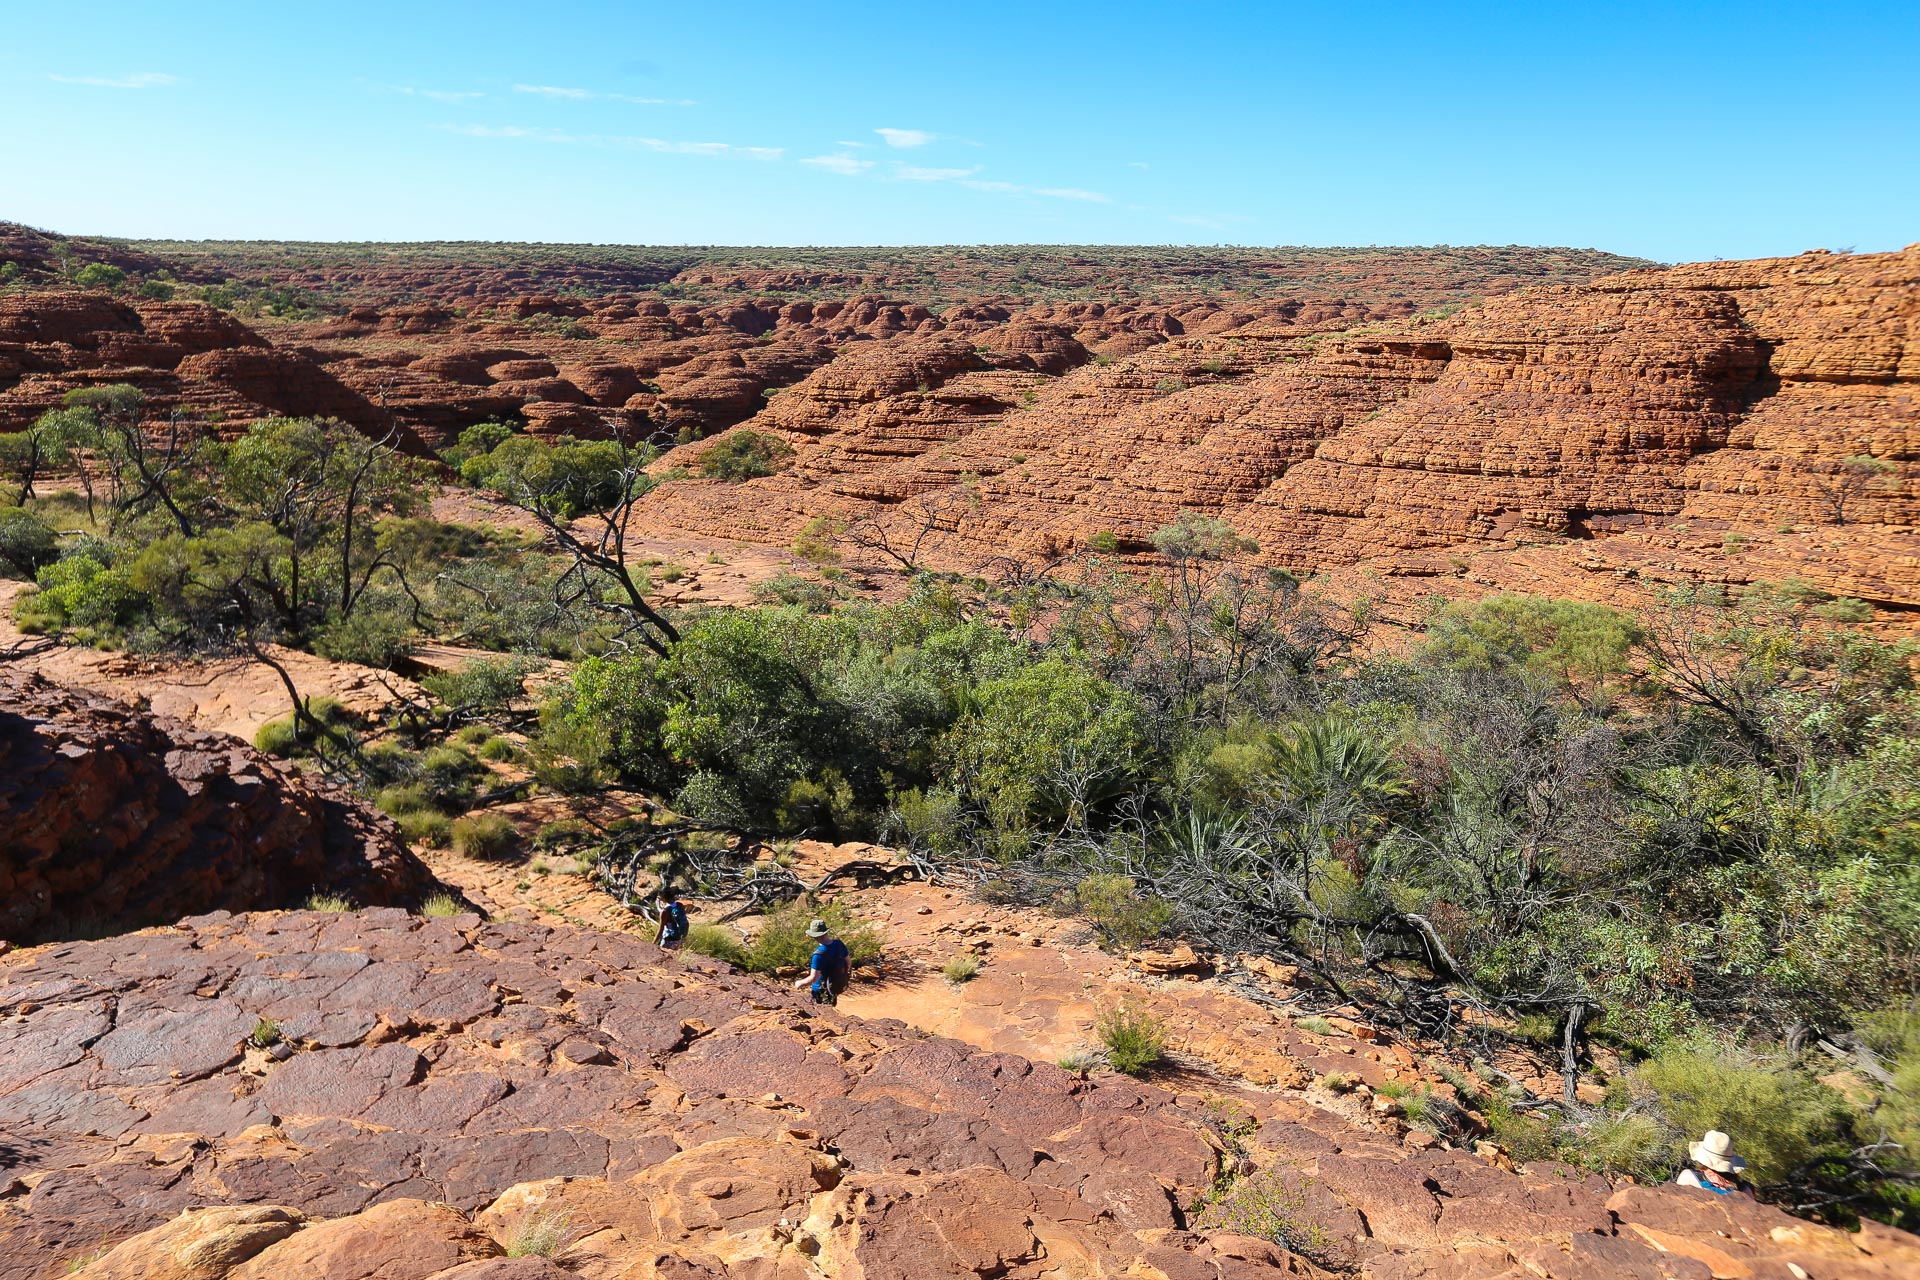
(1725, 422)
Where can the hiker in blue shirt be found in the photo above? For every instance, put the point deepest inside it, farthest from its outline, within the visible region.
(673, 921)
(831, 967)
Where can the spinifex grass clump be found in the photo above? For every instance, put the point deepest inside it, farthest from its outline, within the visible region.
(961, 969)
(1134, 1039)
(485, 835)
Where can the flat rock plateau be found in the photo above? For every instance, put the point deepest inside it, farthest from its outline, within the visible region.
(460, 1085)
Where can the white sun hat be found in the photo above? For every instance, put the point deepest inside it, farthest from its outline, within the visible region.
(1715, 1151)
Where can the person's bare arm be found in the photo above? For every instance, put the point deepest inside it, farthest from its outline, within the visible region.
(813, 976)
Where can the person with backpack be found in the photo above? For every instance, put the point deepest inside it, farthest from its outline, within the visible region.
(673, 921)
(831, 967)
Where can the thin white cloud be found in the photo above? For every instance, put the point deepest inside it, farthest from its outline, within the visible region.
(841, 164)
(440, 95)
(1138, 164)
(663, 145)
(861, 145)
(965, 178)
(554, 91)
(915, 173)
(906, 137)
(138, 80)
(588, 95)
(506, 131)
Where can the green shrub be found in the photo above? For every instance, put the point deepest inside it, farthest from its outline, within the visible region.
(930, 821)
(485, 835)
(290, 737)
(499, 750)
(80, 594)
(1317, 1025)
(448, 773)
(1045, 739)
(561, 833)
(1620, 1142)
(482, 686)
(403, 799)
(1578, 644)
(565, 477)
(743, 455)
(428, 827)
(1779, 1118)
(719, 942)
(1845, 609)
(570, 754)
(1125, 920)
(100, 275)
(473, 735)
(265, 1033)
(27, 543)
(1269, 1205)
(1542, 1029)
(477, 441)
(540, 1235)
(1078, 1061)
(1525, 1135)
(962, 968)
(1133, 1038)
(389, 762)
(328, 902)
(781, 942)
(792, 589)
(441, 905)
(372, 637)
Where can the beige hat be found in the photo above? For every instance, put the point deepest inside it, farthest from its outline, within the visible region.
(1715, 1151)
(818, 929)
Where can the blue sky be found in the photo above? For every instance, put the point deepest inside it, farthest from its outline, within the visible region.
(1677, 132)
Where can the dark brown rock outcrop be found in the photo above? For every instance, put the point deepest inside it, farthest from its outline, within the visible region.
(111, 818)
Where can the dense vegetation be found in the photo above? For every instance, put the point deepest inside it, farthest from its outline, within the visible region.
(1689, 838)
(1680, 850)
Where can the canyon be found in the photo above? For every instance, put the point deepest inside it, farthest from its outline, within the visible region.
(482, 1070)
(1411, 424)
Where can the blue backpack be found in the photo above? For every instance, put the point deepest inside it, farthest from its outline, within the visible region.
(676, 921)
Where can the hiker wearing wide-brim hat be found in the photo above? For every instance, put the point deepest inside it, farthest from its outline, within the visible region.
(1716, 1167)
(831, 967)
